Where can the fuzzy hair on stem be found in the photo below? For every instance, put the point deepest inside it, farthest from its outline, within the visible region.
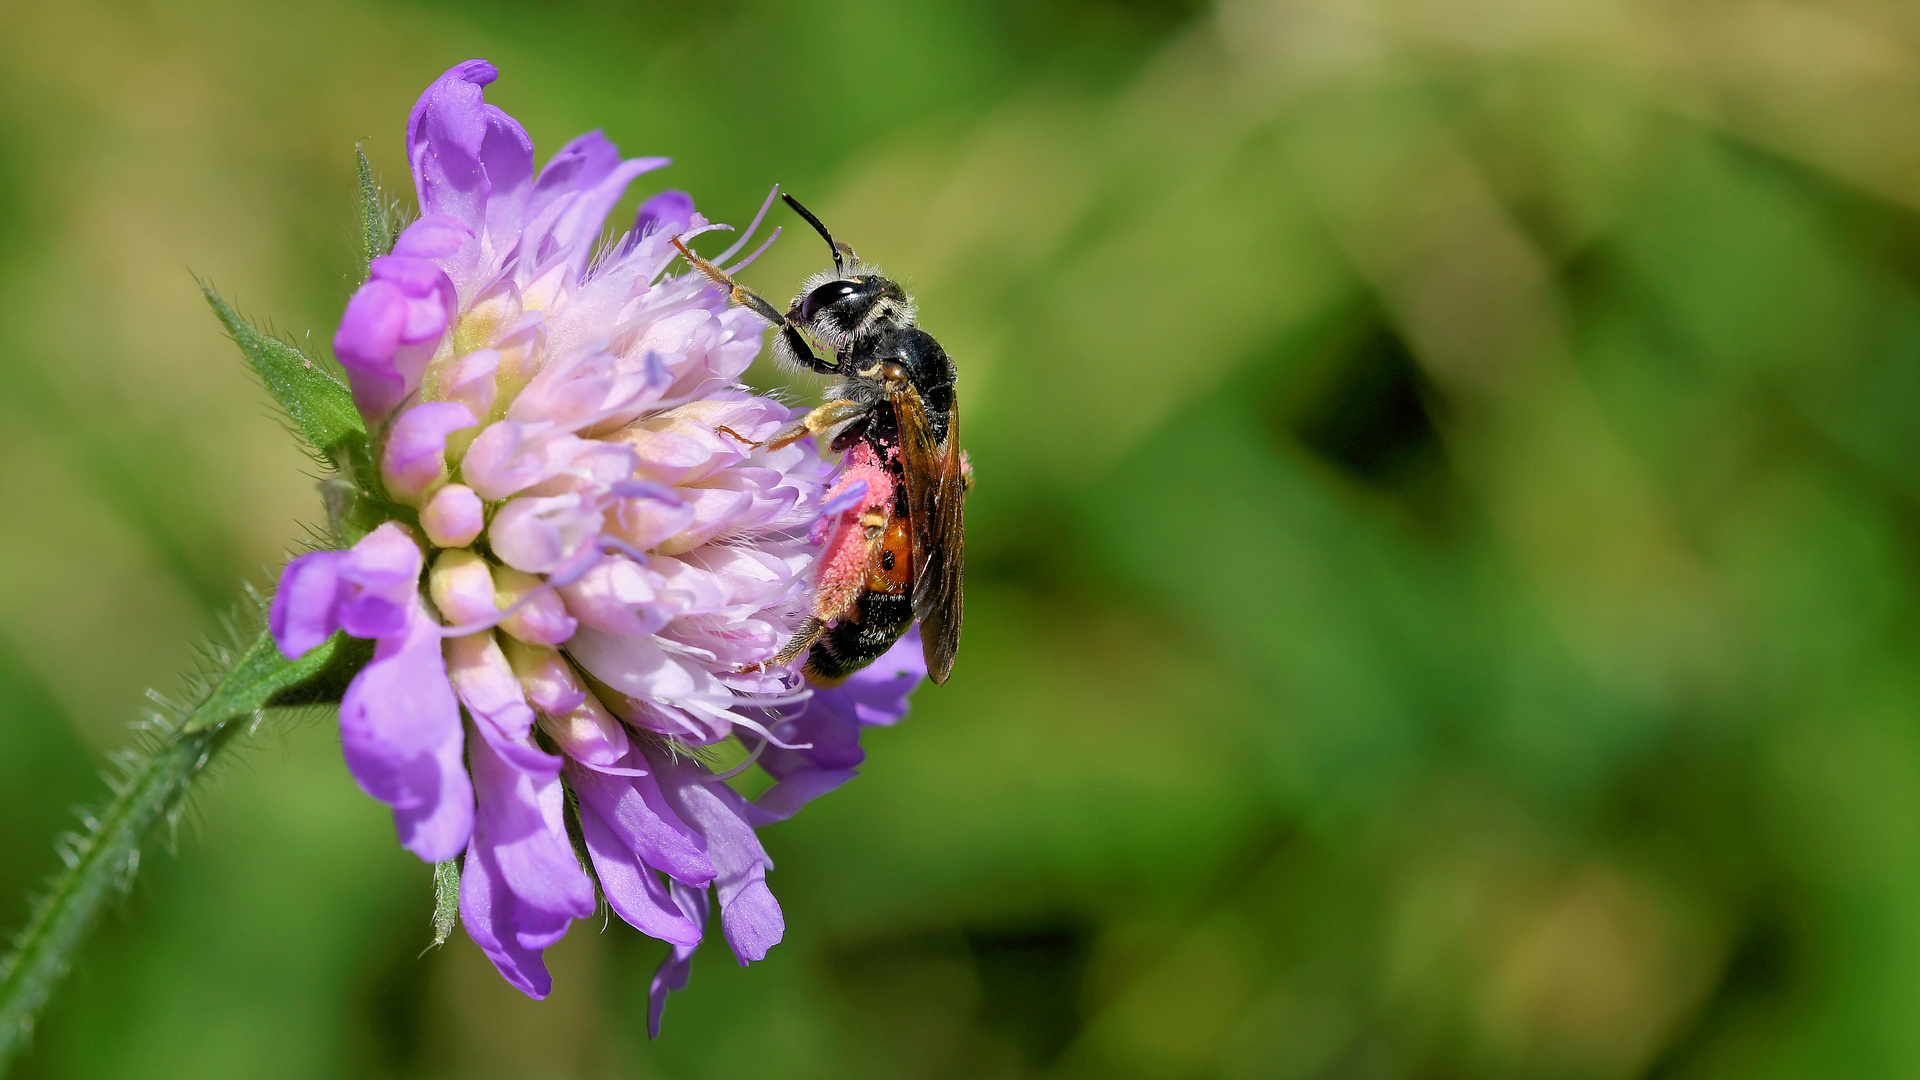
(231, 688)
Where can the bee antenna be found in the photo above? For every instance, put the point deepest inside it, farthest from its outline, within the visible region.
(840, 251)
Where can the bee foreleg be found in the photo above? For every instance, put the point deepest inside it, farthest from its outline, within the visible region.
(793, 342)
(736, 292)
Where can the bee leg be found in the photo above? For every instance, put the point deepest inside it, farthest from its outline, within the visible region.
(793, 343)
(825, 418)
(800, 642)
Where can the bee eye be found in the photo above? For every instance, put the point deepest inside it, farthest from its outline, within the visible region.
(831, 293)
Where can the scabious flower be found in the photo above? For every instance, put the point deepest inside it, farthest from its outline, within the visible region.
(592, 574)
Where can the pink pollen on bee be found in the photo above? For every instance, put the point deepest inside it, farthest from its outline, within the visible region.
(849, 550)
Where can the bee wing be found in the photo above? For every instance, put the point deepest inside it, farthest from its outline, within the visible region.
(936, 598)
(936, 494)
(917, 458)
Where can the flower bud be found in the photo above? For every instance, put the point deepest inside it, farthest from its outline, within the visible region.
(472, 381)
(574, 718)
(453, 517)
(462, 587)
(543, 620)
(415, 458)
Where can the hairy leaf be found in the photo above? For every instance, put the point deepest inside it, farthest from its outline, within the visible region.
(376, 216)
(319, 404)
(446, 900)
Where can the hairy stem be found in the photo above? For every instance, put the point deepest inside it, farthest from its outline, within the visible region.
(234, 686)
(100, 861)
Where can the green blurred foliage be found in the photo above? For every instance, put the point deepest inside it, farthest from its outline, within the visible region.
(1442, 570)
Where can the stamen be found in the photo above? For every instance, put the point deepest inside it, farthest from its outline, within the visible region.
(647, 489)
(774, 702)
(855, 494)
(757, 252)
(765, 733)
(751, 226)
(758, 749)
(611, 770)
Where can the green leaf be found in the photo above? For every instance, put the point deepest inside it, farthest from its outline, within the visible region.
(446, 900)
(376, 219)
(319, 404)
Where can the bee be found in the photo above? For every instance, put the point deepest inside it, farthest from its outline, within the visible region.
(894, 554)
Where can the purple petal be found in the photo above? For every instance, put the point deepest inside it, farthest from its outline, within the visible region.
(638, 816)
(506, 155)
(633, 889)
(415, 457)
(534, 928)
(400, 733)
(388, 559)
(802, 786)
(842, 501)
(365, 344)
(580, 222)
(672, 973)
(383, 572)
(436, 828)
(486, 911)
(390, 330)
(829, 723)
(435, 236)
(469, 159)
(668, 212)
(749, 915)
(431, 302)
(752, 921)
(877, 694)
(305, 606)
(520, 818)
(580, 164)
(444, 134)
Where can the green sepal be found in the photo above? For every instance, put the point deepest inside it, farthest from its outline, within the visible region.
(376, 216)
(263, 677)
(446, 900)
(322, 408)
(320, 405)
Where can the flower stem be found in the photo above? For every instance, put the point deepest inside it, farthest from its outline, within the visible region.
(102, 860)
(152, 787)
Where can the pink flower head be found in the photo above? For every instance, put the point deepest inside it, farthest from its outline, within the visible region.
(603, 562)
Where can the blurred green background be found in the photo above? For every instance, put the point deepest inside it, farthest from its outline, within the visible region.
(1442, 575)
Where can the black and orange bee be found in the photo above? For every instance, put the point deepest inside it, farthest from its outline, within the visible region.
(892, 410)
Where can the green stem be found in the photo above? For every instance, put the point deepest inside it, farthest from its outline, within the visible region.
(152, 788)
(100, 861)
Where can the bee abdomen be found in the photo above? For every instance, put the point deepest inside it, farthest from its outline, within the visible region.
(876, 622)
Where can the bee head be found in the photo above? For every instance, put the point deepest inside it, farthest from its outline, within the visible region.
(839, 309)
(850, 301)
